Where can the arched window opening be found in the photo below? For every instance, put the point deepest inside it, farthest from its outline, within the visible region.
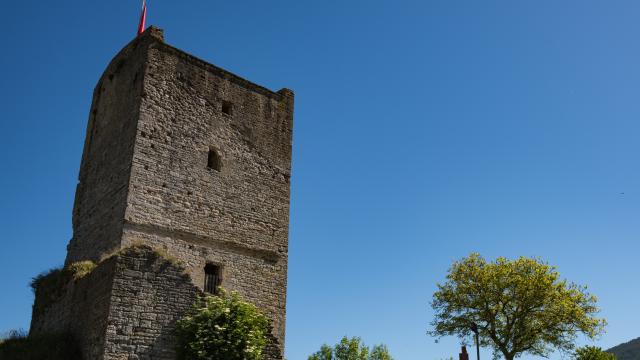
(211, 279)
(214, 161)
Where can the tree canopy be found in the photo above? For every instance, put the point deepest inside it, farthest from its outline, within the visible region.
(351, 349)
(517, 306)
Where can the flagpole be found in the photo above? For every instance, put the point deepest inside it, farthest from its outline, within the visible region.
(143, 17)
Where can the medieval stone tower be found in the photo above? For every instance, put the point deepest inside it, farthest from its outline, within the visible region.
(194, 162)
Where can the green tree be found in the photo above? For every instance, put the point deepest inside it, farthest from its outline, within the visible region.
(222, 327)
(380, 352)
(351, 349)
(592, 353)
(518, 306)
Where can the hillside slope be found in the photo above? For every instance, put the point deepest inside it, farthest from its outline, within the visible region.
(627, 351)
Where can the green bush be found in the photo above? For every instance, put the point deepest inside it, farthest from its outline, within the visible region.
(351, 349)
(592, 353)
(222, 327)
(18, 346)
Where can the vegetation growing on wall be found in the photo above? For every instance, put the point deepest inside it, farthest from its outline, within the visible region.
(222, 327)
(139, 245)
(51, 285)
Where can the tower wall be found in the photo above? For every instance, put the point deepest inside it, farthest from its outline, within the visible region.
(103, 182)
(81, 308)
(147, 178)
(126, 308)
(237, 217)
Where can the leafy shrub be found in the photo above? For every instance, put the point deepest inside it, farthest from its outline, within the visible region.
(18, 346)
(222, 327)
(592, 353)
(351, 349)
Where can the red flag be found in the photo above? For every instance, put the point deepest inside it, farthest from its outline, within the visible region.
(143, 17)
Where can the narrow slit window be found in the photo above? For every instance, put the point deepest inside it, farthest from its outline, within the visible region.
(211, 279)
(227, 107)
(213, 160)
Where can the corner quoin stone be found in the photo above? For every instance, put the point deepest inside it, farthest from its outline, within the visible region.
(185, 157)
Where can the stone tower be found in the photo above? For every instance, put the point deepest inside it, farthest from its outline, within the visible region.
(193, 161)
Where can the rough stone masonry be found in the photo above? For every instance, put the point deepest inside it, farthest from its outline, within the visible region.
(186, 158)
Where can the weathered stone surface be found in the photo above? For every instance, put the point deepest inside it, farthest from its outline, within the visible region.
(147, 177)
(82, 310)
(149, 295)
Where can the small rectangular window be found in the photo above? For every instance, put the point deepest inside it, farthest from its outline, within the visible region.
(211, 279)
(213, 160)
(227, 107)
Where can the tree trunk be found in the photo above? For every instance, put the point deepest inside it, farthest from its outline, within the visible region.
(508, 356)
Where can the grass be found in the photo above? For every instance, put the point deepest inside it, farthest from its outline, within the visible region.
(51, 285)
(138, 245)
(81, 269)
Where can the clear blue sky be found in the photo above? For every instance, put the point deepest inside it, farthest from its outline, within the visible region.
(424, 130)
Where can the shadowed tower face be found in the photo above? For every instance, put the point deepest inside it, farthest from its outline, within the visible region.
(189, 158)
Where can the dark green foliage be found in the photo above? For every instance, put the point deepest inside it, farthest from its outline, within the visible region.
(627, 351)
(592, 353)
(351, 349)
(222, 327)
(18, 346)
